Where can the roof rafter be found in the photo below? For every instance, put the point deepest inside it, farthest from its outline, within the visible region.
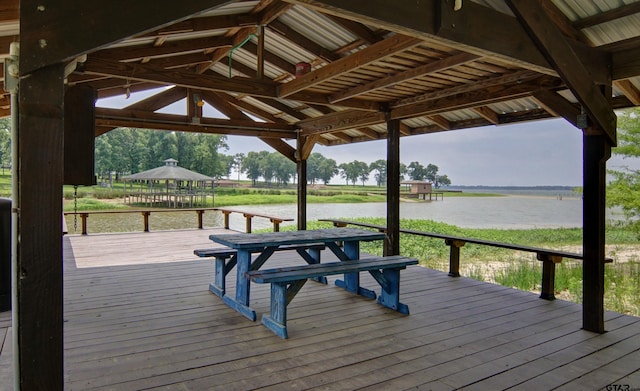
(361, 58)
(568, 64)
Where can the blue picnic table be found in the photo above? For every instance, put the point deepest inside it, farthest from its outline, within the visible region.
(265, 244)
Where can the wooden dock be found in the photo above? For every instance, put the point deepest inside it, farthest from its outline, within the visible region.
(138, 315)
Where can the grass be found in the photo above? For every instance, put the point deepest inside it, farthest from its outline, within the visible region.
(518, 269)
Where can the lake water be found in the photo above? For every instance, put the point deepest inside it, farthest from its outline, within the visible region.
(511, 211)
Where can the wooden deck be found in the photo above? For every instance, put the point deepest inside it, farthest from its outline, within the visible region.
(138, 315)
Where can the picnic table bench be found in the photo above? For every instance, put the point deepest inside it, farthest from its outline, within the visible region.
(286, 282)
(265, 244)
(226, 259)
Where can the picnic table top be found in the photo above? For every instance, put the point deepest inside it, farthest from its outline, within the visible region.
(260, 240)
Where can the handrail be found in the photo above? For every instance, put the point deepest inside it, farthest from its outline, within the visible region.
(248, 216)
(548, 257)
(84, 215)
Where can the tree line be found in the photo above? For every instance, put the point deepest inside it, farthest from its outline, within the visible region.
(125, 151)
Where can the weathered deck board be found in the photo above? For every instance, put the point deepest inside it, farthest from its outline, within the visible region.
(138, 315)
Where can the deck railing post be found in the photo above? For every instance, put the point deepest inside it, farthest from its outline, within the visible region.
(145, 216)
(548, 275)
(454, 256)
(226, 214)
(83, 217)
(276, 224)
(200, 212)
(248, 218)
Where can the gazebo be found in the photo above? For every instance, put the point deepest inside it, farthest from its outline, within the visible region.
(169, 185)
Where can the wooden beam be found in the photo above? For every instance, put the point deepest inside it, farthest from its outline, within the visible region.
(39, 299)
(160, 100)
(405, 129)
(343, 136)
(607, 16)
(65, 38)
(373, 53)
(476, 98)
(626, 61)
(488, 114)
(305, 146)
(629, 90)
(557, 105)
(285, 149)
(301, 167)
(210, 82)
(9, 10)
(133, 118)
(173, 48)
(392, 237)
(340, 120)
(466, 29)
(301, 40)
(421, 71)
(370, 133)
(560, 53)
(221, 102)
(596, 151)
(207, 23)
(358, 29)
(442, 122)
(518, 77)
(348, 119)
(273, 11)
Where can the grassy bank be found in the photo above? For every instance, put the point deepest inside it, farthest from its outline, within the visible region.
(521, 270)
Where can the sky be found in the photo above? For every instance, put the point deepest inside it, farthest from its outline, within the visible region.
(539, 153)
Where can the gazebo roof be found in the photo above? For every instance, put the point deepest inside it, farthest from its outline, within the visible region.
(170, 171)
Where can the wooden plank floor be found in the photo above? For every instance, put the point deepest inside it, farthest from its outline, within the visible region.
(138, 315)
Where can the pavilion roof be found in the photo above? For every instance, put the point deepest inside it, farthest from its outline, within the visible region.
(333, 72)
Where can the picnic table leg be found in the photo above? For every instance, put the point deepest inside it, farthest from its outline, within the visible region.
(241, 301)
(312, 256)
(351, 281)
(390, 293)
(276, 320)
(222, 268)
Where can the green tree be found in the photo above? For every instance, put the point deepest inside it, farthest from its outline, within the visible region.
(252, 166)
(417, 171)
(379, 167)
(284, 169)
(623, 190)
(5, 142)
(354, 171)
(238, 160)
(328, 168)
(319, 168)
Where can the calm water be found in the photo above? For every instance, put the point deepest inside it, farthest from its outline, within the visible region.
(512, 211)
(470, 212)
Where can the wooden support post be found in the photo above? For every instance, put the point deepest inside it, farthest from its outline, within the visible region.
(276, 224)
(200, 212)
(145, 217)
(596, 151)
(392, 240)
(454, 256)
(83, 218)
(38, 291)
(248, 218)
(302, 194)
(226, 214)
(548, 275)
